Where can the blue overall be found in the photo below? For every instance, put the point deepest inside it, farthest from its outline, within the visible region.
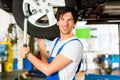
(55, 76)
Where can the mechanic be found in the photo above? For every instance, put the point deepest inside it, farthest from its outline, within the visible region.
(66, 51)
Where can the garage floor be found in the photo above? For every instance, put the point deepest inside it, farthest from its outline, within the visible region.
(13, 75)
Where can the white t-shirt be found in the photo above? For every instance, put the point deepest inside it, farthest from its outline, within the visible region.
(73, 50)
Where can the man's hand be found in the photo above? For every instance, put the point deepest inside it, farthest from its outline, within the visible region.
(23, 51)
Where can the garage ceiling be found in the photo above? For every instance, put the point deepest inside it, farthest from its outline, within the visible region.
(99, 11)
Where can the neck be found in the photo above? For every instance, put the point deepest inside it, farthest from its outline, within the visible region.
(64, 36)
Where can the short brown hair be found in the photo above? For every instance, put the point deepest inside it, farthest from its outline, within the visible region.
(63, 10)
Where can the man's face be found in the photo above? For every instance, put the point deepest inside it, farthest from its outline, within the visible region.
(66, 23)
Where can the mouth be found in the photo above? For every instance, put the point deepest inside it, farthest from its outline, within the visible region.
(65, 27)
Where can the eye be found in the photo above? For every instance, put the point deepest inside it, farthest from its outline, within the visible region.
(70, 20)
(62, 18)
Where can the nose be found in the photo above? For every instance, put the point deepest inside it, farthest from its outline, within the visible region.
(65, 22)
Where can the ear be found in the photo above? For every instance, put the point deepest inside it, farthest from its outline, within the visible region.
(74, 25)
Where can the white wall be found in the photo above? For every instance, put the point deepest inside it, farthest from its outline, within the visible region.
(106, 41)
(5, 20)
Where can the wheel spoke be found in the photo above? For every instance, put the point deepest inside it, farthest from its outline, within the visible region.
(33, 18)
(51, 17)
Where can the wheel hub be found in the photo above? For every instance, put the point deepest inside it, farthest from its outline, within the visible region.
(40, 12)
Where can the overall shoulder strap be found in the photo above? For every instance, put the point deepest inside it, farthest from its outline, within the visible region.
(55, 44)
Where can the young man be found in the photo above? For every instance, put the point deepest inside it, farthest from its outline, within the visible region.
(66, 52)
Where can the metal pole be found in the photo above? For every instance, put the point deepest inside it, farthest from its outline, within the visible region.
(25, 32)
(119, 45)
